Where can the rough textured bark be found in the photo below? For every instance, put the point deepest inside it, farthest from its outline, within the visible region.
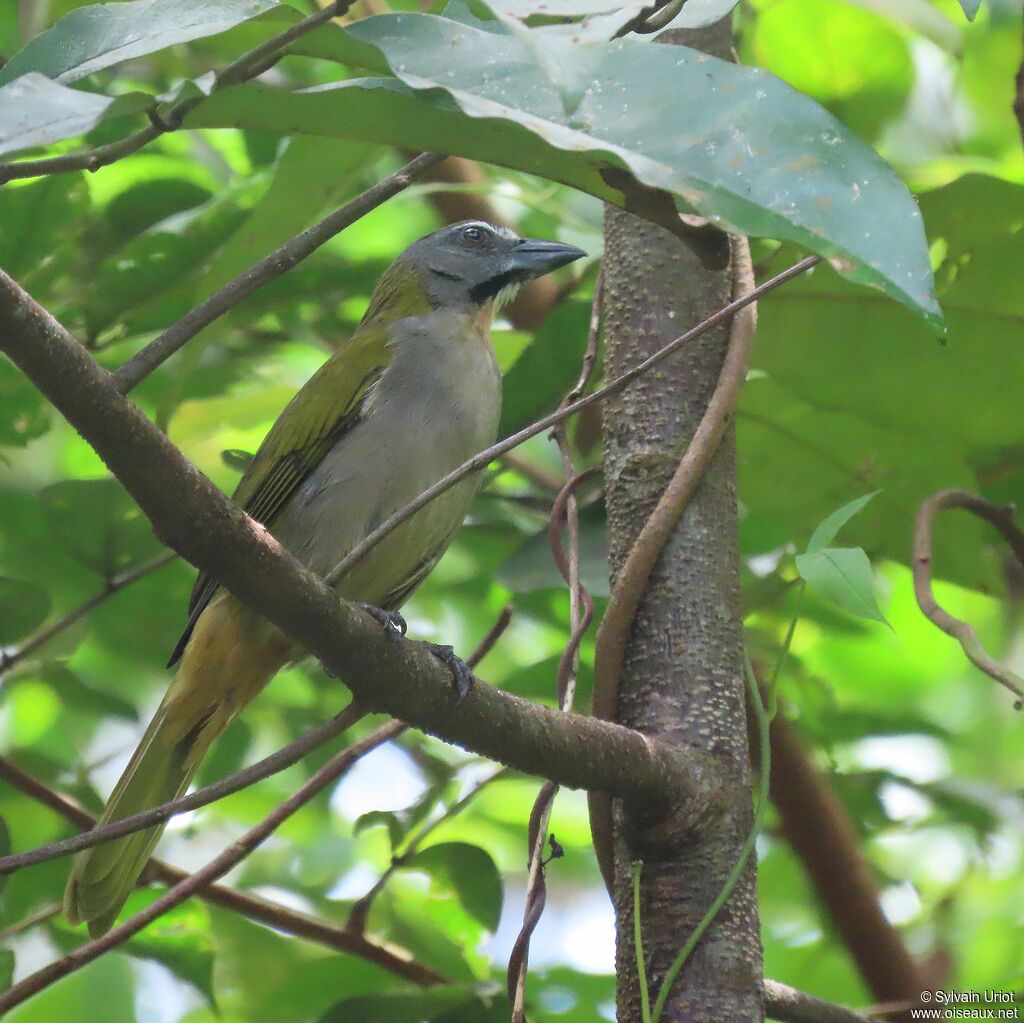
(682, 679)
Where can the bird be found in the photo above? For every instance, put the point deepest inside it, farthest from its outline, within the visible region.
(408, 397)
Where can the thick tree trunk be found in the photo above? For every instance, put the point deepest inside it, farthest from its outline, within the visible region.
(683, 673)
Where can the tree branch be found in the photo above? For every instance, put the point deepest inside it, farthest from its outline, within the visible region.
(265, 768)
(396, 960)
(788, 1005)
(782, 1002)
(281, 260)
(190, 885)
(1002, 519)
(250, 64)
(194, 518)
(347, 939)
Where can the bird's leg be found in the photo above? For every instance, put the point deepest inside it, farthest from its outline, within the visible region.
(462, 674)
(391, 622)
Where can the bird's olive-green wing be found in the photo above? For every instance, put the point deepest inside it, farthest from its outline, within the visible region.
(316, 419)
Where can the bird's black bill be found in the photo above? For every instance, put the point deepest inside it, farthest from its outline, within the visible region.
(532, 257)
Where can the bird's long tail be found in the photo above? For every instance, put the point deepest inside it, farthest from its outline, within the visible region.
(230, 657)
(104, 876)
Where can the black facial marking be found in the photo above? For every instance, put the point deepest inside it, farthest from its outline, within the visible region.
(488, 289)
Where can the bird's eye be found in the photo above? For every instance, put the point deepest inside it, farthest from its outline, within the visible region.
(473, 234)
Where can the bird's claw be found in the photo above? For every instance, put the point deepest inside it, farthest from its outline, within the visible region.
(462, 674)
(391, 622)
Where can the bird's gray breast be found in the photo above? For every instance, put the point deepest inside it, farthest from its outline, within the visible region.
(436, 405)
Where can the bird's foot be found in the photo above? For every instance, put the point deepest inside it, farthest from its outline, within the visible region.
(391, 622)
(462, 674)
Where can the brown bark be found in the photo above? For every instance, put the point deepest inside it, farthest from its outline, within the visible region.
(683, 678)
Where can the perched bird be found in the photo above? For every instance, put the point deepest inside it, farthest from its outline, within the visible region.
(410, 396)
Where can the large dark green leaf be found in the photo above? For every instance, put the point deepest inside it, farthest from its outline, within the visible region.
(35, 111)
(97, 36)
(98, 524)
(748, 151)
(859, 389)
(470, 872)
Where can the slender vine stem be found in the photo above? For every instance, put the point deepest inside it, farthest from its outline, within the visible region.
(638, 947)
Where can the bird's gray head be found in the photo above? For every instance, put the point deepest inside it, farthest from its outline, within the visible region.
(470, 263)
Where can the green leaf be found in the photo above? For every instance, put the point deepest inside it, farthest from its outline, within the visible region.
(843, 574)
(98, 524)
(101, 35)
(748, 152)
(6, 968)
(23, 608)
(26, 416)
(470, 872)
(540, 377)
(311, 174)
(37, 229)
(5, 849)
(400, 1006)
(74, 693)
(828, 528)
(35, 111)
(181, 942)
(532, 567)
(376, 818)
(856, 62)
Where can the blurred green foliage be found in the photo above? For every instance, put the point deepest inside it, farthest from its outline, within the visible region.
(850, 395)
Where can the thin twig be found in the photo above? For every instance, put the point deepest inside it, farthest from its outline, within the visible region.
(250, 64)
(282, 259)
(265, 768)
(9, 658)
(392, 958)
(581, 612)
(481, 460)
(1002, 519)
(45, 912)
(194, 883)
(781, 1001)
